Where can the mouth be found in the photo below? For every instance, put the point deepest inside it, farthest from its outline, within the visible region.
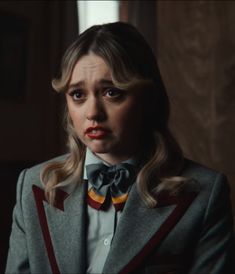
(97, 132)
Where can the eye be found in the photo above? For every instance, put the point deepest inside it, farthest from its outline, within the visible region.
(113, 92)
(76, 95)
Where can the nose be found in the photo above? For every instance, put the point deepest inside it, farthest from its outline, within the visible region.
(95, 110)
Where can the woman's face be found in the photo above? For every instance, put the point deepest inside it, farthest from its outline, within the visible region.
(106, 119)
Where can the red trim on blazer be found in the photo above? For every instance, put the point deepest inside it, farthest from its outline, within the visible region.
(99, 206)
(182, 203)
(93, 203)
(39, 196)
(119, 206)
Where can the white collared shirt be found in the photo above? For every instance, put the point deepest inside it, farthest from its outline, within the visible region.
(101, 226)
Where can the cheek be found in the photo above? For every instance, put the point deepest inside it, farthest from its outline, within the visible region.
(76, 118)
(74, 112)
(77, 121)
(129, 119)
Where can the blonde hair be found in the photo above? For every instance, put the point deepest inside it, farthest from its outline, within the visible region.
(132, 66)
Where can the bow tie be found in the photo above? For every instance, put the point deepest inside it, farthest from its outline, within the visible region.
(109, 183)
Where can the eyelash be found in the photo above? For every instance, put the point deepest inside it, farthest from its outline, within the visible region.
(74, 92)
(117, 94)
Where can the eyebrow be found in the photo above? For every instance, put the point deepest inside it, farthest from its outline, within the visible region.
(105, 82)
(102, 82)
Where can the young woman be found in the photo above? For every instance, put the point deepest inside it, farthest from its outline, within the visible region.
(123, 200)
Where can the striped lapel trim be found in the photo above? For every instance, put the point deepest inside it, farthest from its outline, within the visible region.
(39, 195)
(182, 203)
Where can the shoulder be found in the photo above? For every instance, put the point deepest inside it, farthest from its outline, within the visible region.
(36, 170)
(208, 182)
(200, 173)
(198, 170)
(31, 176)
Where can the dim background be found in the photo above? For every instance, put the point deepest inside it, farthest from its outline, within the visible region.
(193, 41)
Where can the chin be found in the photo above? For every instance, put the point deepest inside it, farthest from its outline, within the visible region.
(99, 149)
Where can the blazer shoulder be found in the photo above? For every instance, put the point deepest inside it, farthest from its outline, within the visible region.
(36, 169)
(31, 176)
(193, 167)
(204, 176)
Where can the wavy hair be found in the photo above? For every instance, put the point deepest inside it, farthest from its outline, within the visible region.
(133, 65)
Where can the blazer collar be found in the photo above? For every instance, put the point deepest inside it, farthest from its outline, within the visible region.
(64, 229)
(149, 225)
(67, 221)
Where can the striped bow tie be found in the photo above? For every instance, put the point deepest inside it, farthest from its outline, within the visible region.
(109, 183)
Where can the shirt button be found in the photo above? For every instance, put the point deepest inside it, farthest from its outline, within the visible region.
(106, 242)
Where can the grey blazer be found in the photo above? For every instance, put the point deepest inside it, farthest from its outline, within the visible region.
(191, 233)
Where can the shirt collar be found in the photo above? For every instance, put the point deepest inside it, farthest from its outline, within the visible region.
(91, 158)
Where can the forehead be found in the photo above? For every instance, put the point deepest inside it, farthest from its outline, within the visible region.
(90, 68)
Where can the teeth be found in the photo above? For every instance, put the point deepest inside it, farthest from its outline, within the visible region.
(94, 131)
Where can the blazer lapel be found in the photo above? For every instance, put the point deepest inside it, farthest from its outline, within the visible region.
(141, 229)
(63, 227)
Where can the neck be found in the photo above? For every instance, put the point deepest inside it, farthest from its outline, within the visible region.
(113, 160)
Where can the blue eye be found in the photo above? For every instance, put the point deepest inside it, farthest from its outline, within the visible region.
(113, 92)
(76, 95)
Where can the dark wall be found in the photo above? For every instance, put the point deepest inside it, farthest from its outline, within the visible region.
(195, 46)
(34, 35)
(194, 43)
